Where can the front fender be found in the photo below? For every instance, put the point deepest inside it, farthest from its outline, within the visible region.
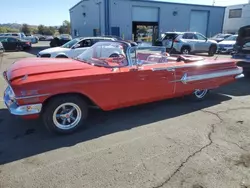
(62, 53)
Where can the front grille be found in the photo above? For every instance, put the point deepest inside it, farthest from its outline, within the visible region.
(225, 45)
(45, 55)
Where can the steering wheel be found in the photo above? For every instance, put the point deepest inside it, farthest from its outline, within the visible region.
(116, 55)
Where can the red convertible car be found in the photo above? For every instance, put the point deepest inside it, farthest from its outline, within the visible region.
(109, 75)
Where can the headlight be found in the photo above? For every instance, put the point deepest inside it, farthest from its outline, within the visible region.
(10, 93)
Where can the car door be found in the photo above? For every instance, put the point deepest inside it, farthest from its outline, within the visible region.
(5, 43)
(80, 47)
(201, 44)
(168, 40)
(12, 43)
(190, 40)
(152, 80)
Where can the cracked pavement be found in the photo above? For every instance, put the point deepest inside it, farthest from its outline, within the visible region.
(168, 144)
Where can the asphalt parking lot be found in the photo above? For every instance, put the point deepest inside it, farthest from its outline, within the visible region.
(174, 143)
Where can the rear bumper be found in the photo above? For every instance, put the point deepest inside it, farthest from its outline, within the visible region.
(225, 50)
(239, 76)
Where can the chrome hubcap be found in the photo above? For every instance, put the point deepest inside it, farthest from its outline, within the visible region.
(67, 116)
(185, 51)
(200, 93)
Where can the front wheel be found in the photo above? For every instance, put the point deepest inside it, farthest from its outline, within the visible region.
(61, 56)
(65, 114)
(19, 48)
(199, 95)
(185, 50)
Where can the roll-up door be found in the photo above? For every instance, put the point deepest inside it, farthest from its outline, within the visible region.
(145, 14)
(199, 21)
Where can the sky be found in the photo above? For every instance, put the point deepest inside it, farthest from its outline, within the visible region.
(54, 12)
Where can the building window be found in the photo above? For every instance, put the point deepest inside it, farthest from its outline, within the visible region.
(235, 13)
(76, 33)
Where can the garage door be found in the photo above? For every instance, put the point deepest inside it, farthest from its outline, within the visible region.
(198, 21)
(145, 14)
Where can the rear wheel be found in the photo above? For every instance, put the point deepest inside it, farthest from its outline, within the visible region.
(19, 48)
(185, 50)
(212, 50)
(65, 114)
(199, 95)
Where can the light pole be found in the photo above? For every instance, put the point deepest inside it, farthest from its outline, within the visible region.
(99, 6)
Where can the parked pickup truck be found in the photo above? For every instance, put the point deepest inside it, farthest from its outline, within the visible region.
(242, 49)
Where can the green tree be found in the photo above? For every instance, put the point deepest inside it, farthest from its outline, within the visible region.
(50, 30)
(26, 29)
(8, 30)
(34, 30)
(12, 30)
(41, 29)
(3, 30)
(65, 27)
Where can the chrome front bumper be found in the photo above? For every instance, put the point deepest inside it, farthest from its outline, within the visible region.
(23, 110)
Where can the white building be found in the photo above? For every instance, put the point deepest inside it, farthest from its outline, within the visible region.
(236, 16)
(122, 17)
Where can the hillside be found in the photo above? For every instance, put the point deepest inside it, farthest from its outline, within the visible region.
(15, 25)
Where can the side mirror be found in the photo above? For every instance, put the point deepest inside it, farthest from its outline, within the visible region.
(76, 46)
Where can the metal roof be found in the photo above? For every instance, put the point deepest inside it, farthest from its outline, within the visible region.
(160, 1)
(166, 2)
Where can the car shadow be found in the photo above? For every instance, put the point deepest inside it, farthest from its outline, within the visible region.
(36, 49)
(33, 51)
(239, 88)
(20, 139)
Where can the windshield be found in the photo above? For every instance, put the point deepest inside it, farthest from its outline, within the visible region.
(70, 43)
(231, 38)
(105, 54)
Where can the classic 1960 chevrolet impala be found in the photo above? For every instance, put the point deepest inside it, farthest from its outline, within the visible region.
(62, 90)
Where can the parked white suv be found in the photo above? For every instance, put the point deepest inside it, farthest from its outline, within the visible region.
(188, 42)
(72, 48)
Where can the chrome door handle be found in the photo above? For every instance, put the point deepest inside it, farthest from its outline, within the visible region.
(171, 69)
(163, 69)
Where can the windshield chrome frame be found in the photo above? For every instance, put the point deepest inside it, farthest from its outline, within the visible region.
(128, 52)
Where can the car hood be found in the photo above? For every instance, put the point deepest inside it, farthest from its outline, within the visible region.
(227, 42)
(216, 39)
(212, 41)
(35, 66)
(53, 50)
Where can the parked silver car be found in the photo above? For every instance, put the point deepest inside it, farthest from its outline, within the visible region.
(188, 42)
